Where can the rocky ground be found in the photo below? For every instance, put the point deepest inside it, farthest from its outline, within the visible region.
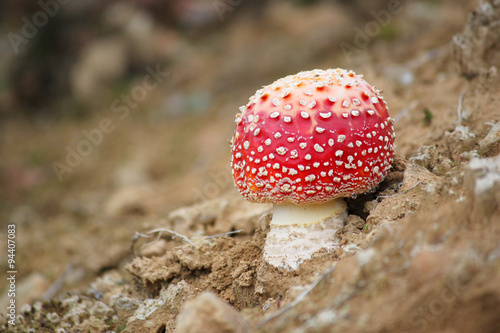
(147, 233)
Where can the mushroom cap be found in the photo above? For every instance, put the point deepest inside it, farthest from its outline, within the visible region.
(312, 137)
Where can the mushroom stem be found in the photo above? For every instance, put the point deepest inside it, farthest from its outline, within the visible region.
(298, 231)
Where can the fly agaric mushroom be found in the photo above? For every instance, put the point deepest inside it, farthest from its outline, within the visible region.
(303, 143)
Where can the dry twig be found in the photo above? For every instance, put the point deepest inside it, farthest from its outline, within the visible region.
(172, 233)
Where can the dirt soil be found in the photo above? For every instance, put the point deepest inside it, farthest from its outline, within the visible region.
(149, 235)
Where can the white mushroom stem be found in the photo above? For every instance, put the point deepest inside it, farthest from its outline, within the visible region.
(298, 231)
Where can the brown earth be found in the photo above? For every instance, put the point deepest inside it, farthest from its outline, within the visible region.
(133, 238)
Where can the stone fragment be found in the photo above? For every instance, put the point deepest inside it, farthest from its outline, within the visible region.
(208, 313)
(482, 181)
(490, 145)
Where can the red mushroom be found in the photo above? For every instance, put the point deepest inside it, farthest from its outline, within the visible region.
(303, 143)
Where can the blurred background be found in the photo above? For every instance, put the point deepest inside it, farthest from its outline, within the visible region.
(114, 113)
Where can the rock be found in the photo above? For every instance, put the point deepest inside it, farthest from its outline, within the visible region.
(148, 307)
(152, 315)
(460, 140)
(101, 310)
(430, 158)
(370, 206)
(176, 294)
(466, 156)
(476, 48)
(208, 313)
(419, 186)
(490, 145)
(482, 181)
(444, 165)
(107, 287)
(424, 156)
(125, 307)
(354, 224)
